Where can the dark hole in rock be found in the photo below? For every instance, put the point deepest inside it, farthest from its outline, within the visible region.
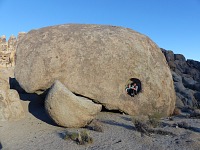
(104, 109)
(133, 87)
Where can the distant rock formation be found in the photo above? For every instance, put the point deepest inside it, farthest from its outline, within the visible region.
(186, 76)
(8, 49)
(97, 62)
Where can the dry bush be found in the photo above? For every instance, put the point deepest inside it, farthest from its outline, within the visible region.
(95, 125)
(80, 138)
(147, 126)
(141, 124)
(154, 120)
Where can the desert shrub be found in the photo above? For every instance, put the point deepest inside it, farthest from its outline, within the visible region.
(84, 138)
(71, 135)
(154, 120)
(147, 125)
(143, 124)
(81, 138)
(95, 125)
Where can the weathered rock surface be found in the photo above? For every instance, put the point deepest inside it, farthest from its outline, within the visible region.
(186, 77)
(69, 110)
(10, 106)
(97, 61)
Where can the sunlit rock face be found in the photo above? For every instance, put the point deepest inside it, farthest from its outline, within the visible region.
(97, 62)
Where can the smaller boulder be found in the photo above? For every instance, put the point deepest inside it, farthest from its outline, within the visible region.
(69, 110)
(10, 106)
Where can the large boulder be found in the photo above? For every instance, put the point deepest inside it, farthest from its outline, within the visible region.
(69, 110)
(10, 106)
(97, 61)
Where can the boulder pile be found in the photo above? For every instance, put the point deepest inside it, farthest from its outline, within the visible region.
(186, 77)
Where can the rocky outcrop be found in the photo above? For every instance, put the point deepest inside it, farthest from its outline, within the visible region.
(186, 76)
(69, 110)
(8, 49)
(10, 106)
(97, 62)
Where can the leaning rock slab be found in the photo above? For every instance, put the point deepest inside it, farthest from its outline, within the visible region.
(97, 61)
(10, 105)
(69, 110)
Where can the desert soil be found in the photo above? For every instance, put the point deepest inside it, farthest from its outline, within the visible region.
(37, 132)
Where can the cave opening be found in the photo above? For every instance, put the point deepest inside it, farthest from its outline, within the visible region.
(133, 87)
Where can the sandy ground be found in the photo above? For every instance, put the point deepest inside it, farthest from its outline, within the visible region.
(37, 132)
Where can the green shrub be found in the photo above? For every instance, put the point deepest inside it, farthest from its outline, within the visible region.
(81, 138)
(84, 138)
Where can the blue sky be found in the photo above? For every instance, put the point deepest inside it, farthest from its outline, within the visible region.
(172, 24)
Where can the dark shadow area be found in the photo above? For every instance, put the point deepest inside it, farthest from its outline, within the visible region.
(44, 93)
(79, 95)
(104, 109)
(185, 125)
(36, 107)
(126, 118)
(182, 124)
(114, 123)
(133, 87)
(1, 147)
(62, 135)
(14, 84)
(194, 129)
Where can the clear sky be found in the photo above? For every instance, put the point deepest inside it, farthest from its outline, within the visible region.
(172, 24)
